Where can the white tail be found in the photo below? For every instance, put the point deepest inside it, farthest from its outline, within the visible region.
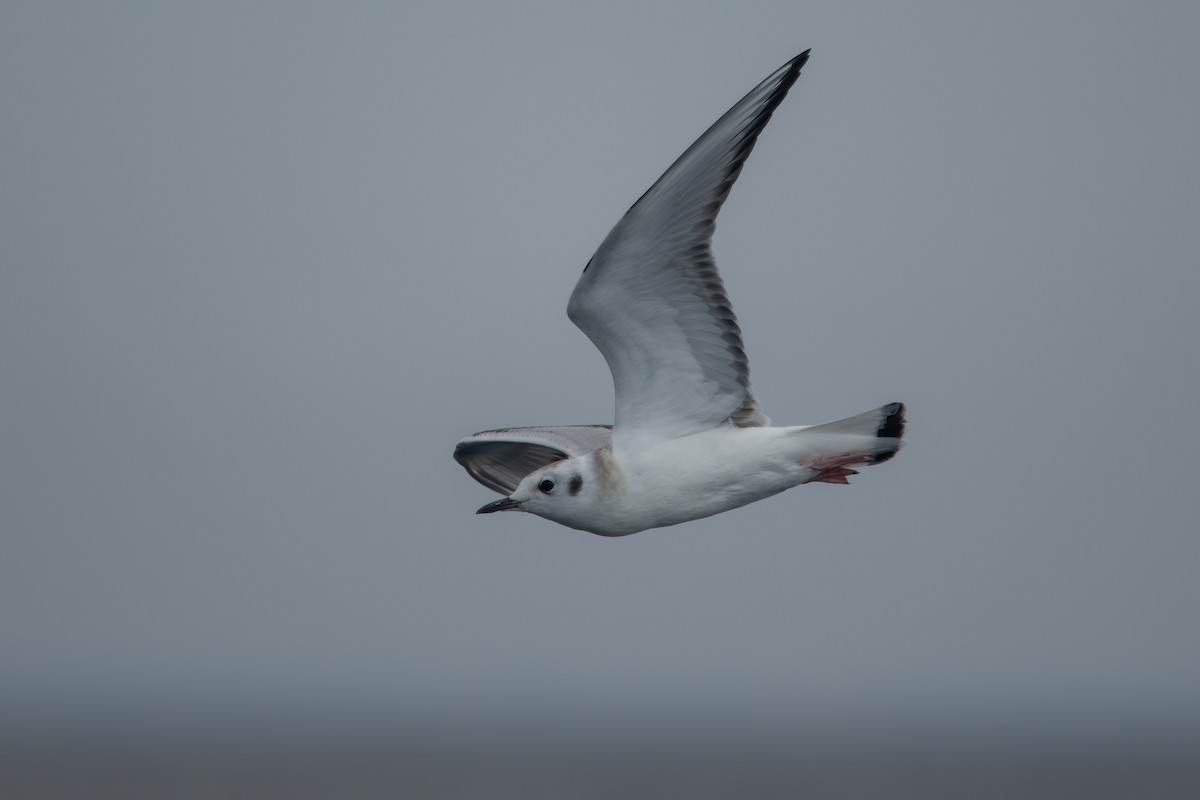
(882, 428)
(866, 439)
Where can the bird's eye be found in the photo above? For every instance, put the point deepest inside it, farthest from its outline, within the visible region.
(546, 486)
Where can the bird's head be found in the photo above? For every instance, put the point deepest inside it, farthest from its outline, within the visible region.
(564, 492)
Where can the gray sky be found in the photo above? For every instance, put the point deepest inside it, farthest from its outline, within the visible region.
(261, 266)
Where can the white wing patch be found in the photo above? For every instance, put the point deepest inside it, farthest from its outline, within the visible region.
(652, 301)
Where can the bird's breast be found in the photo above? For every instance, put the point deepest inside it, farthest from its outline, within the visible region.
(703, 474)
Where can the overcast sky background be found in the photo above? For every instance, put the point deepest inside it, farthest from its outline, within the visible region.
(261, 266)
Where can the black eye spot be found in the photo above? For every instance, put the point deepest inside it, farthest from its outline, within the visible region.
(546, 486)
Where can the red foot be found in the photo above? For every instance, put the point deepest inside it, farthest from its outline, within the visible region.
(833, 470)
(833, 475)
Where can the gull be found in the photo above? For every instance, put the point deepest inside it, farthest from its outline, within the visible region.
(689, 439)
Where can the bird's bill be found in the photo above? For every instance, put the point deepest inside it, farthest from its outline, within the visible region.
(504, 504)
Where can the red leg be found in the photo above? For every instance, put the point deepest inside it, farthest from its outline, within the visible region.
(834, 470)
(833, 475)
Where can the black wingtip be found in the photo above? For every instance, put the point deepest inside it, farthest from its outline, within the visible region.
(791, 71)
(796, 64)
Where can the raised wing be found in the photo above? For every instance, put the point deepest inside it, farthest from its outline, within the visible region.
(652, 301)
(500, 459)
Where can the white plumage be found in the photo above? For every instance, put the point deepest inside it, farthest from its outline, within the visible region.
(689, 438)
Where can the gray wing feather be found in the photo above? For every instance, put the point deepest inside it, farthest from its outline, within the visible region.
(500, 459)
(652, 301)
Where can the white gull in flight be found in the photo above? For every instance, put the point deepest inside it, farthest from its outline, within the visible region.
(689, 439)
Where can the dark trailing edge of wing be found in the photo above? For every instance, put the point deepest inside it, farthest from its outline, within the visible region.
(713, 162)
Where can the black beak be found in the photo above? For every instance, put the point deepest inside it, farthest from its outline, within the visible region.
(505, 504)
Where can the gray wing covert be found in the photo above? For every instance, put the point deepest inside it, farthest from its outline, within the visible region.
(500, 459)
(652, 301)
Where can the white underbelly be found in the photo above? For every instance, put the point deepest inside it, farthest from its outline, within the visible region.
(707, 473)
